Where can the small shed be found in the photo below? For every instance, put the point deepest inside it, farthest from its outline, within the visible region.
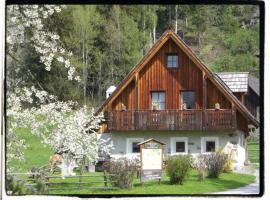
(151, 152)
(236, 81)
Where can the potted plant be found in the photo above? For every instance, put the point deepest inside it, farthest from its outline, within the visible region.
(155, 106)
(217, 106)
(123, 107)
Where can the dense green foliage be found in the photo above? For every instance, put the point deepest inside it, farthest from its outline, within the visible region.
(178, 168)
(107, 41)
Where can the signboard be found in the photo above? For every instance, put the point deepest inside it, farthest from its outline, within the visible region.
(150, 175)
(151, 160)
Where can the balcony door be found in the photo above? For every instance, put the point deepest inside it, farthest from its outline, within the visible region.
(158, 100)
(187, 99)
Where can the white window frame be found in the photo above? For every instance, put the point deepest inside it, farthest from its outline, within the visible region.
(173, 145)
(129, 144)
(210, 139)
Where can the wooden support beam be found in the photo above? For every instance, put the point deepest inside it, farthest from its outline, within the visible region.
(204, 101)
(136, 100)
(136, 92)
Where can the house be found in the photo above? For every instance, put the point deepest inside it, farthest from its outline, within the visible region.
(247, 89)
(172, 97)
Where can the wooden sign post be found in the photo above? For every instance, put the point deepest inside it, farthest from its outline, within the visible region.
(151, 160)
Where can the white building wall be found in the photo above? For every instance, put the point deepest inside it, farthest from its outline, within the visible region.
(194, 139)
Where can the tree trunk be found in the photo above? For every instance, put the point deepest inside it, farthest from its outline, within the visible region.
(150, 40)
(176, 16)
(154, 34)
(84, 82)
(99, 82)
(85, 75)
(199, 42)
(144, 50)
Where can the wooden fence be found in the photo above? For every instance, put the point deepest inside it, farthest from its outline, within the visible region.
(79, 182)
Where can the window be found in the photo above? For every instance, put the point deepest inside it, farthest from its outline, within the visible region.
(188, 99)
(132, 146)
(158, 100)
(135, 147)
(172, 60)
(179, 145)
(209, 144)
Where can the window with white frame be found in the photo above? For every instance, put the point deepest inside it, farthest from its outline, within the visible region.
(132, 145)
(209, 144)
(179, 145)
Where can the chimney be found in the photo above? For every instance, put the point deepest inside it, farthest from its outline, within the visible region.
(109, 91)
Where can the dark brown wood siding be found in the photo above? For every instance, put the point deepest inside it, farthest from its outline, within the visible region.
(215, 96)
(242, 123)
(252, 101)
(127, 97)
(156, 76)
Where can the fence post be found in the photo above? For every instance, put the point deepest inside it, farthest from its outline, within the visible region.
(105, 179)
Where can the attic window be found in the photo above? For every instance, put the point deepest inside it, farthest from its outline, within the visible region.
(172, 60)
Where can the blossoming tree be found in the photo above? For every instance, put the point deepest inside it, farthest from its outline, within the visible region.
(64, 126)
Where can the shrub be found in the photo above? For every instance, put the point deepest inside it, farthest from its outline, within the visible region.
(178, 168)
(17, 186)
(200, 166)
(215, 163)
(124, 171)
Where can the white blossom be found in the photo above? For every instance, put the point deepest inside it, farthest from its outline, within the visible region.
(30, 17)
(59, 124)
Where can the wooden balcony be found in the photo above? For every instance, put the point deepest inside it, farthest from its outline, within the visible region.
(223, 119)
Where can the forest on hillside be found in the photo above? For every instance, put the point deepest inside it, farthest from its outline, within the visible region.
(107, 41)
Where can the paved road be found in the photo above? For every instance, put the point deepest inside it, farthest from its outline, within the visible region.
(253, 188)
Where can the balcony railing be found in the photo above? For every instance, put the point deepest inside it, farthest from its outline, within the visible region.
(223, 119)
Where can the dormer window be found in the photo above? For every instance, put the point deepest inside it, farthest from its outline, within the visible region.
(172, 60)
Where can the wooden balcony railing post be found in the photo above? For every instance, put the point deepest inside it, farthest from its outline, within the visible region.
(233, 117)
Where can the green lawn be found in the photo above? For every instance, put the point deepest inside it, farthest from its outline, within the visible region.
(190, 186)
(253, 152)
(35, 155)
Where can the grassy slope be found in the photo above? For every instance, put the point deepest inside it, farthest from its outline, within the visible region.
(35, 155)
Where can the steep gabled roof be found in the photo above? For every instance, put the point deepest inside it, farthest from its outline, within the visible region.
(188, 51)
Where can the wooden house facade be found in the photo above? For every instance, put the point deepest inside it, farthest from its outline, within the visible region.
(170, 93)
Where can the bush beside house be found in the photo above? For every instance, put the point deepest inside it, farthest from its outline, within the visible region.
(124, 171)
(178, 168)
